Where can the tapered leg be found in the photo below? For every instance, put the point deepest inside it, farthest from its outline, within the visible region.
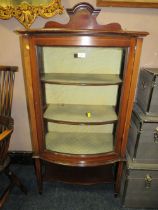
(118, 177)
(38, 171)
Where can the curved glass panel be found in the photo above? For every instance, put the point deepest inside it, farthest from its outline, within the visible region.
(80, 96)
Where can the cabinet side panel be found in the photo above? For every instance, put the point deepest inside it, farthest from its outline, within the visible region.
(29, 92)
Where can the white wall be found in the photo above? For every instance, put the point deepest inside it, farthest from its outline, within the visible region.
(130, 19)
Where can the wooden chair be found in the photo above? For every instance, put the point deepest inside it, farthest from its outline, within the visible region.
(7, 75)
(6, 129)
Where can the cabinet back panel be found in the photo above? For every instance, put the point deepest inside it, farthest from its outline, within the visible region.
(72, 143)
(104, 95)
(54, 127)
(91, 60)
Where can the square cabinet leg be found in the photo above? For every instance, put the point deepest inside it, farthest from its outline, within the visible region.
(38, 171)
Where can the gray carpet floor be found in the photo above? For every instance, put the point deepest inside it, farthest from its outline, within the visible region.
(58, 196)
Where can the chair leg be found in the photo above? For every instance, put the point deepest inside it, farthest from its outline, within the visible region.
(15, 180)
(5, 194)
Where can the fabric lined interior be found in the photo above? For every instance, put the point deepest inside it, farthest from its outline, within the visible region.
(79, 143)
(79, 113)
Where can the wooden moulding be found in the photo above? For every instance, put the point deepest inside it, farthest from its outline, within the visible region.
(82, 160)
(87, 24)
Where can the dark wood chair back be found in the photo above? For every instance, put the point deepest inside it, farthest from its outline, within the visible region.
(7, 77)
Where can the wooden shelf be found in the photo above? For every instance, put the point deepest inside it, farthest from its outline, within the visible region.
(77, 114)
(79, 143)
(81, 79)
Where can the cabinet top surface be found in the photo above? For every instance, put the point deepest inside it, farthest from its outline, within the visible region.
(83, 22)
(49, 31)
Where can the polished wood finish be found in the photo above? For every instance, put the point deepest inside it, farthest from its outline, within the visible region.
(87, 19)
(87, 24)
(65, 31)
(7, 76)
(25, 46)
(136, 4)
(79, 175)
(82, 30)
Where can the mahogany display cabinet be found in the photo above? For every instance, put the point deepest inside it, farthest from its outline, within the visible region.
(80, 82)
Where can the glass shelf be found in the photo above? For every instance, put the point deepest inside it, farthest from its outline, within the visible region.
(81, 79)
(80, 114)
(79, 143)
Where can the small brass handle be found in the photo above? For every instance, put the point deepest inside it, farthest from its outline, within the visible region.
(156, 135)
(148, 180)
